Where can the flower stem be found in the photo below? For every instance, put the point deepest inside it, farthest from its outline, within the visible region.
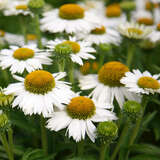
(38, 32)
(23, 28)
(123, 134)
(80, 148)
(71, 74)
(6, 146)
(130, 55)
(61, 65)
(103, 152)
(10, 139)
(44, 142)
(137, 126)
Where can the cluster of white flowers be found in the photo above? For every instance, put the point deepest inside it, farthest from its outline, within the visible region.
(86, 25)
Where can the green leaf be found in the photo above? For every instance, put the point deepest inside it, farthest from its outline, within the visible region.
(145, 157)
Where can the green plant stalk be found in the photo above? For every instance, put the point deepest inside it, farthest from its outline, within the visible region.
(23, 28)
(123, 134)
(102, 153)
(80, 146)
(10, 139)
(71, 74)
(137, 126)
(130, 55)
(101, 59)
(5, 75)
(6, 146)
(44, 142)
(38, 31)
(61, 65)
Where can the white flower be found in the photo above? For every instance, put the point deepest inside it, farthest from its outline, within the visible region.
(40, 92)
(155, 35)
(16, 7)
(134, 30)
(69, 18)
(3, 4)
(106, 85)
(101, 35)
(143, 83)
(27, 57)
(78, 118)
(80, 49)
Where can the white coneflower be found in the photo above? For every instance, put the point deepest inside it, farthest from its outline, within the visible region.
(40, 92)
(69, 18)
(155, 35)
(78, 117)
(107, 85)
(143, 83)
(134, 30)
(28, 57)
(79, 49)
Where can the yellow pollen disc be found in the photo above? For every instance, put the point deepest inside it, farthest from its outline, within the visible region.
(81, 108)
(158, 27)
(85, 68)
(100, 30)
(31, 37)
(23, 53)
(135, 31)
(148, 82)
(2, 33)
(21, 7)
(74, 45)
(111, 73)
(39, 82)
(95, 66)
(71, 11)
(149, 6)
(146, 21)
(113, 10)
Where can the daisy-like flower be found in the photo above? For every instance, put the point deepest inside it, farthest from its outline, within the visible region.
(155, 35)
(28, 57)
(16, 7)
(107, 85)
(79, 49)
(134, 30)
(112, 15)
(3, 4)
(143, 83)
(40, 92)
(70, 18)
(78, 117)
(101, 35)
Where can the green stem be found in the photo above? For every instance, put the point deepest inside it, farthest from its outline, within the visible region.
(71, 74)
(137, 126)
(5, 75)
(80, 148)
(101, 59)
(103, 152)
(38, 32)
(44, 142)
(23, 28)
(61, 65)
(130, 55)
(123, 134)
(10, 139)
(6, 146)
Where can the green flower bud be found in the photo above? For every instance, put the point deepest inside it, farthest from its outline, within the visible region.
(36, 4)
(5, 100)
(128, 5)
(104, 47)
(3, 120)
(147, 44)
(132, 109)
(107, 132)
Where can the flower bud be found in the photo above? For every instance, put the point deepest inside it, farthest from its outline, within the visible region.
(104, 47)
(3, 120)
(36, 5)
(128, 5)
(107, 132)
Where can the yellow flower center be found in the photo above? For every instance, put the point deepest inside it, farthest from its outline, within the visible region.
(113, 10)
(135, 31)
(23, 53)
(149, 6)
(81, 108)
(39, 82)
(74, 45)
(148, 82)
(85, 68)
(158, 27)
(100, 30)
(146, 21)
(31, 37)
(111, 73)
(2, 33)
(71, 11)
(22, 7)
